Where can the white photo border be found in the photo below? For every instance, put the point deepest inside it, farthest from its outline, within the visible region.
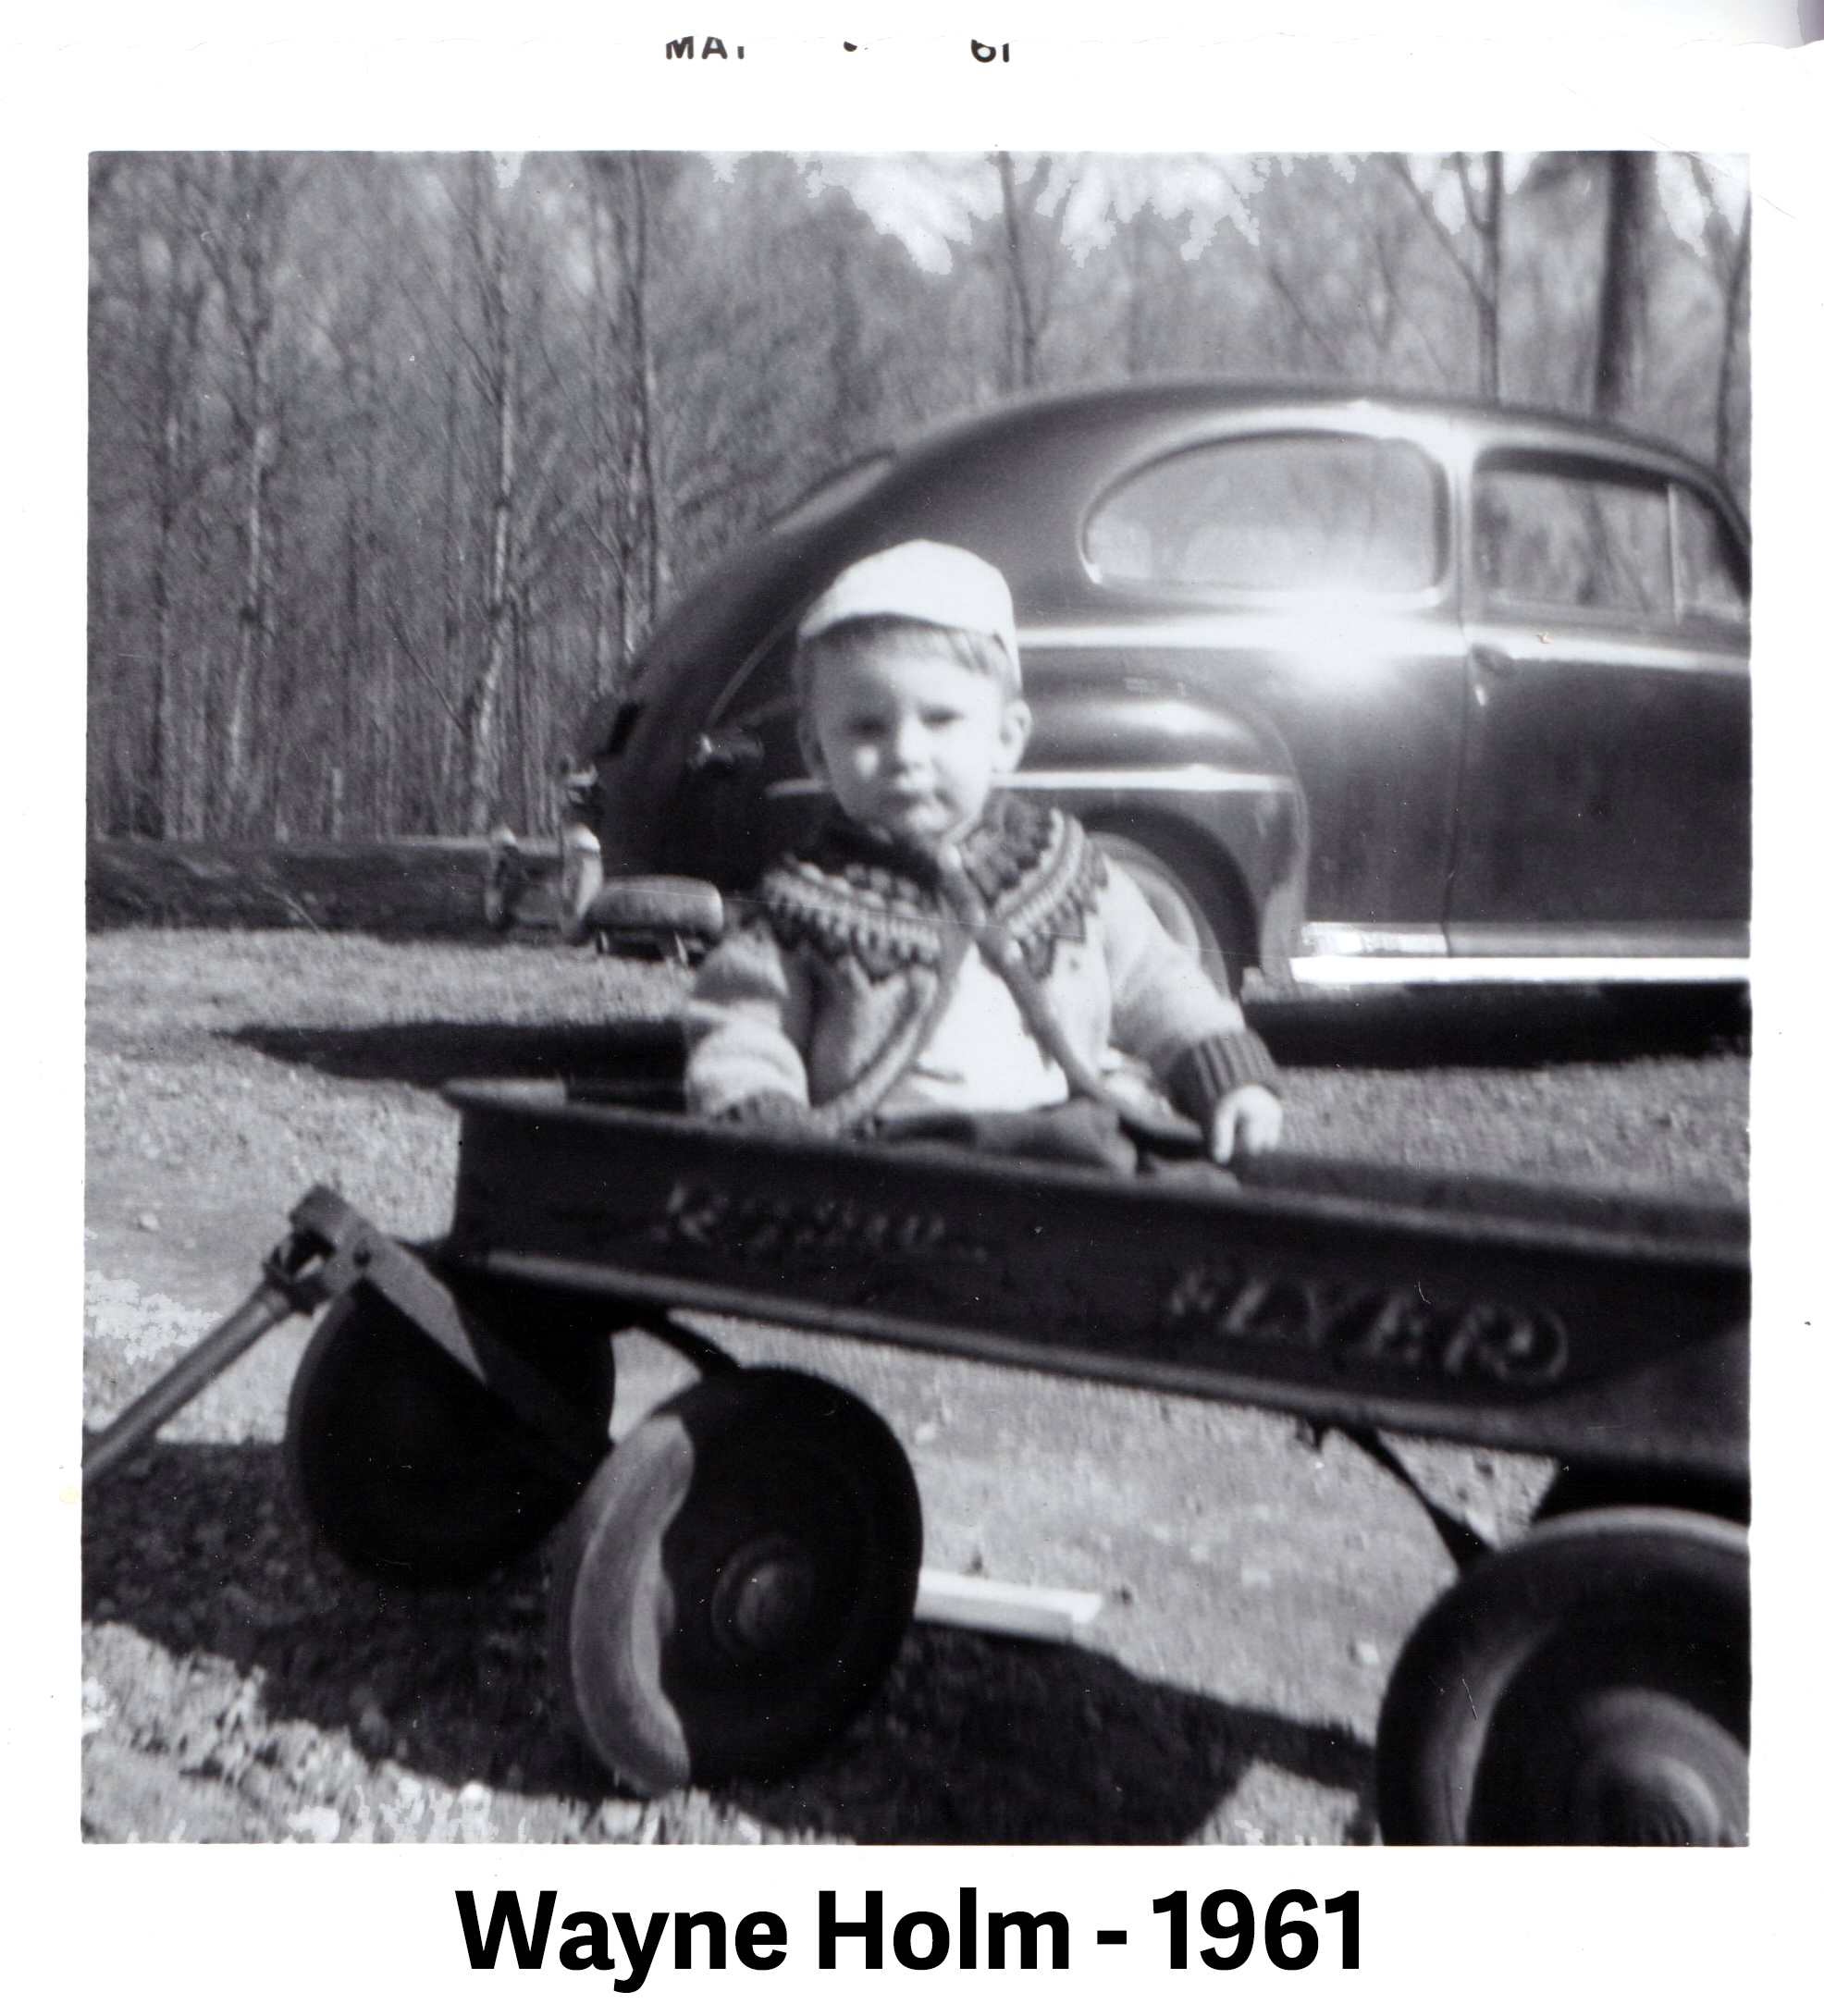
(1493, 1927)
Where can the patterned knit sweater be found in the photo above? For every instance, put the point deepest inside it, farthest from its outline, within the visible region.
(820, 1004)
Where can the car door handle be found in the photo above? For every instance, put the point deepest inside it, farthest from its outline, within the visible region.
(718, 754)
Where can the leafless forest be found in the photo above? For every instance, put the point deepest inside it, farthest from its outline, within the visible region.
(393, 460)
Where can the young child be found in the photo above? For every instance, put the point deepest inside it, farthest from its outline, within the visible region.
(946, 958)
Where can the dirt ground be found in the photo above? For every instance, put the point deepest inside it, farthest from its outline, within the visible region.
(240, 1684)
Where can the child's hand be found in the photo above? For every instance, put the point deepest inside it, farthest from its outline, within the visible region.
(1248, 1119)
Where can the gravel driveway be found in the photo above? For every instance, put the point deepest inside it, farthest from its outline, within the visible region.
(240, 1684)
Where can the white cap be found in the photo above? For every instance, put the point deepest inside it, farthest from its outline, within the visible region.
(920, 582)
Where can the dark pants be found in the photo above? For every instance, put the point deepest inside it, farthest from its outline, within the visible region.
(1082, 1131)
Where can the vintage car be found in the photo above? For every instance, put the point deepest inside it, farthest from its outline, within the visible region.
(1363, 689)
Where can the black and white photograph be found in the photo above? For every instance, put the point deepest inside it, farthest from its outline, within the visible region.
(915, 1009)
(1371, 530)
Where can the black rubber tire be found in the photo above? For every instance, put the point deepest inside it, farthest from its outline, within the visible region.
(1193, 916)
(409, 1468)
(736, 1579)
(1584, 1487)
(1588, 1684)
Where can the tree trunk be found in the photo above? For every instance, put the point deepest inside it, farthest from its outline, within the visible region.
(607, 595)
(438, 783)
(251, 640)
(1022, 322)
(640, 563)
(1734, 296)
(161, 786)
(484, 713)
(1489, 296)
(241, 230)
(1729, 263)
(1622, 304)
(499, 375)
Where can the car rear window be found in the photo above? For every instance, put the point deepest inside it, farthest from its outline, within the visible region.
(1712, 578)
(1613, 542)
(1574, 539)
(1275, 512)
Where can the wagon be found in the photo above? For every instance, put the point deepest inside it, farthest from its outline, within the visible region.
(733, 1578)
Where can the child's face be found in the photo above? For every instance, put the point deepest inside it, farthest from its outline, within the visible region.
(910, 740)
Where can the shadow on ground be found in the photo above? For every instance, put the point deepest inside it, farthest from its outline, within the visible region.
(1519, 1029)
(972, 1740)
(431, 1054)
(1413, 1029)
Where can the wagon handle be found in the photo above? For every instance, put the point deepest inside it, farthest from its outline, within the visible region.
(295, 1285)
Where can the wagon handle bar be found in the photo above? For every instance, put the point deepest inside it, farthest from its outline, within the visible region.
(292, 1286)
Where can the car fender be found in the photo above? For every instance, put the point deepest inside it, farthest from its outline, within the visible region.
(1197, 783)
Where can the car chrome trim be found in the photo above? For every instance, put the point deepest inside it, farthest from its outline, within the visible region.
(1190, 779)
(1357, 941)
(1525, 643)
(1660, 940)
(1569, 970)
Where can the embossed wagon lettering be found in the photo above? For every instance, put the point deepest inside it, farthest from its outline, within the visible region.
(1512, 1345)
(720, 1221)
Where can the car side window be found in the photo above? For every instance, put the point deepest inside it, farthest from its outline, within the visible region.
(1269, 512)
(1712, 579)
(1595, 540)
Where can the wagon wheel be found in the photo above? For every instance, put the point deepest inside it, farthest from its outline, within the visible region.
(736, 1579)
(1589, 1684)
(411, 1470)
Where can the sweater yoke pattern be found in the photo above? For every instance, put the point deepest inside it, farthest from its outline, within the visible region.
(853, 894)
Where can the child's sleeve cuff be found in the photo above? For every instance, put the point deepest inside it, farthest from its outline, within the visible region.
(1211, 1069)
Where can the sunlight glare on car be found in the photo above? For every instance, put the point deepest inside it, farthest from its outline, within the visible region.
(1345, 639)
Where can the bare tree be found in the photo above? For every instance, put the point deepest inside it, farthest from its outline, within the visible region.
(1031, 255)
(392, 465)
(1726, 247)
(493, 352)
(152, 281)
(1621, 319)
(608, 638)
(240, 214)
(1480, 266)
(624, 181)
(177, 472)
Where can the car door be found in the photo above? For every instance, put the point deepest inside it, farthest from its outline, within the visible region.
(1605, 803)
(1304, 576)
